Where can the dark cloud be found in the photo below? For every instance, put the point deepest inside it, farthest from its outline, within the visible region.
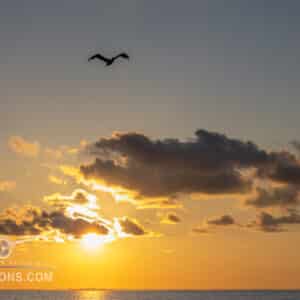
(269, 223)
(221, 221)
(209, 225)
(171, 218)
(210, 163)
(131, 227)
(35, 222)
(281, 167)
(200, 230)
(76, 227)
(283, 196)
(154, 182)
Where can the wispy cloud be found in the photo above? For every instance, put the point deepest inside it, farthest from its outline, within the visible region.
(23, 147)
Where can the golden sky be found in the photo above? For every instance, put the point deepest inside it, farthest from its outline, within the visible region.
(177, 169)
(201, 213)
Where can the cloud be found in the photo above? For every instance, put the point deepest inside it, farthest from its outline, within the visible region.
(170, 203)
(129, 227)
(209, 225)
(70, 217)
(282, 196)
(201, 230)
(211, 164)
(77, 227)
(268, 223)
(171, 218)
(23, 147)
(281, 167)
(7, 185)
(34, 221)
(79, 203)
(224, 220)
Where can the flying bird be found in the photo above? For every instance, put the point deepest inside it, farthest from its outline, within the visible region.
(108, 61)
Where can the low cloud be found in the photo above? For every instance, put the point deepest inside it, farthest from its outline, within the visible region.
(36, 222)
(209, 225)
(282, 197)
(23, 147)
(201, 230)
(269, 223)
(224, 220)
(171, 218)
(129, 227)
(71, 217)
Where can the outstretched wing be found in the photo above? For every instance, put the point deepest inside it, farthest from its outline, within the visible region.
(123, 55)
(98, 56)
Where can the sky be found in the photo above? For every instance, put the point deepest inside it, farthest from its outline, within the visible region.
(183, 161)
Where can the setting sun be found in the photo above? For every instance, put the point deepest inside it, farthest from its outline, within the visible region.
(149, 150)
(92, 241)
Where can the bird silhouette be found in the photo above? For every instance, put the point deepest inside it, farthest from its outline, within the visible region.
(108, 61)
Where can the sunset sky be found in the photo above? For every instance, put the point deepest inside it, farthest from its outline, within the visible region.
(176, 170)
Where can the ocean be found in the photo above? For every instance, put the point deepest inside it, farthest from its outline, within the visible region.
(149, 295)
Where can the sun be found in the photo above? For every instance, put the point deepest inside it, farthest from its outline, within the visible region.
(92, 241)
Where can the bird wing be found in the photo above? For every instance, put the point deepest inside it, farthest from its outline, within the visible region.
(123, 55)
(98, 56)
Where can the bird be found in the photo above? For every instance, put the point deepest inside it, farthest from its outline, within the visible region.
(108, 61)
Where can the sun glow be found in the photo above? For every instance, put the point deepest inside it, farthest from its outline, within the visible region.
(93, 241)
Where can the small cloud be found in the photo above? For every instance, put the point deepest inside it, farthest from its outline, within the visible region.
(128, 227)
(23, 147)
(220, 221)
(224, 220)
(270, 223)
(7, 185)
(201, 230)
(171, 219)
